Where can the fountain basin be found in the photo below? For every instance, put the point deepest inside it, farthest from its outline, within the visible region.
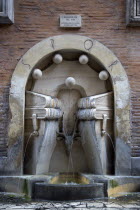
(29, 187)
(69, 178)
(64, 187)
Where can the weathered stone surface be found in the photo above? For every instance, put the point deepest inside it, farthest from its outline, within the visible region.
(23, 185)
(135, 166)
(123, 184)
(45, 191)
(123, 158)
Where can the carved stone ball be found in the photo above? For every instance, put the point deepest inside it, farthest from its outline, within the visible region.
(83, 59)
(70, 82)
(57, 58)
(103, 75)
(37, 74)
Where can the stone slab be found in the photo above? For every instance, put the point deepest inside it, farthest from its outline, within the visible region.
(70, 21)
(44, 191)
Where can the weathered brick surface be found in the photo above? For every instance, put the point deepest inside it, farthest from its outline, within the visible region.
(102, 20)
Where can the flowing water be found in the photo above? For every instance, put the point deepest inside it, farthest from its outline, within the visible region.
(70, 162)
(111, 140)
(70, 159)
(25, 150)
(71, 183)
(26, 146)
(113, 145)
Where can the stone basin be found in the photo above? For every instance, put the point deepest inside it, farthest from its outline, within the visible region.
(69, 178)
(68, 186)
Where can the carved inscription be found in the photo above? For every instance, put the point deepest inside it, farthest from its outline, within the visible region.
(88, 44)
(114, 63)
(70, 21)
(52, 43)
(25, 64)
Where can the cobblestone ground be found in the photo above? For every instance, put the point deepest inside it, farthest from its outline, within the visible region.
(112, 204)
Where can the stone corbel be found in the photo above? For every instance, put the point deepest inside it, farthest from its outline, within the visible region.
(41, 107)
(96, 107)
(43, 113)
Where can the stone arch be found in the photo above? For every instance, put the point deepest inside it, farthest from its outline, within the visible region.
(104, 56)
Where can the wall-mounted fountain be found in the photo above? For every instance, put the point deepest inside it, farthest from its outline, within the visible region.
(70, 120)
(68, 111)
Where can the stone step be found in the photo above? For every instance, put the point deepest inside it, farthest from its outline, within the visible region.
(63, 192)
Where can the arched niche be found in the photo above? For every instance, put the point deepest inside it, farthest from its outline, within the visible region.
(14, 162)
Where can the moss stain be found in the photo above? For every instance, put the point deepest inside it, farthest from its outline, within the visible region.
(25, 190)
(114, 183)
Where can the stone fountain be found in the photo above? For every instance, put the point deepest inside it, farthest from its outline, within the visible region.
(69, 135)
(66, 115)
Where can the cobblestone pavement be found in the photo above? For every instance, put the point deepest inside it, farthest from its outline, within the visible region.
(112, 204)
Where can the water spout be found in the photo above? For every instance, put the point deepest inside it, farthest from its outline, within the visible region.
(68, 138)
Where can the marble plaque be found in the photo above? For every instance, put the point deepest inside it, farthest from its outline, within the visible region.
(70, 21)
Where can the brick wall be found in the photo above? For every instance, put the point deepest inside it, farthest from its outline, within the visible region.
(39, 19)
